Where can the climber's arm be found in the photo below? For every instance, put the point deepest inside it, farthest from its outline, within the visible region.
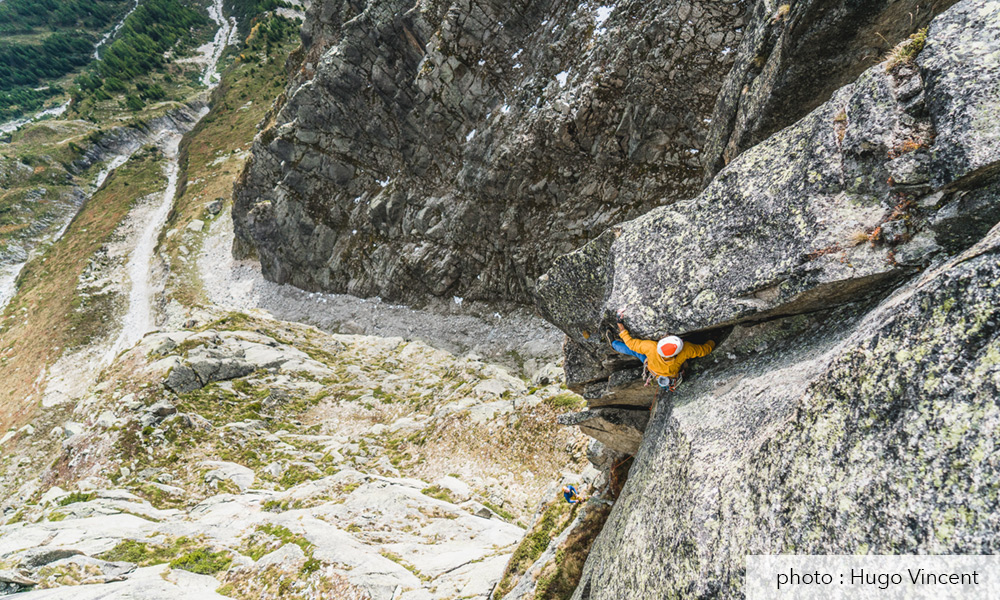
(698, 350)
(646, 347)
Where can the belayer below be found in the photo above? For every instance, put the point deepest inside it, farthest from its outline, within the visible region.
(569, 493)
(662, 359)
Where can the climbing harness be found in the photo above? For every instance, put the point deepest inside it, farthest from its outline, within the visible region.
(667, 383)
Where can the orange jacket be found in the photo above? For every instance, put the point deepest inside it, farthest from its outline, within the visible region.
(667, 367)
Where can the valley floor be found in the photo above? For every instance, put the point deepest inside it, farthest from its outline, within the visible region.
(175, 424)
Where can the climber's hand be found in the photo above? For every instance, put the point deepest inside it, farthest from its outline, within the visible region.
(621, 327)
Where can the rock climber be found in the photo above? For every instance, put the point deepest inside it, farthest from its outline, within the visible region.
(569, 493)
(663, 359)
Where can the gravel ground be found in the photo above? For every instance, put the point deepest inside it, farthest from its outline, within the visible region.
(516, 338)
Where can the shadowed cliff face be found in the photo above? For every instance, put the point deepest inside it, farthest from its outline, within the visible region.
(456, 149)
(794, 56)
(852, 409)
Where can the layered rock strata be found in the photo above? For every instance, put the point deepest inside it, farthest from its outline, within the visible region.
(428, 149)
(431, 149)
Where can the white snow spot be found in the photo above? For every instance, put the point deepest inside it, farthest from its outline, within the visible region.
(458, 300)
(383, 182)
(516, 54)
(471, 135)
(354, 232)
(518, 66)
(603, 12)
(358, 199)
(505, 109)
(726, 51)
(481, 62)
(692, 151)
(562, 77)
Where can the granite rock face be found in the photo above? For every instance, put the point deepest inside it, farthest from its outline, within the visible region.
(618, 429)
(891, 422)
(851, 200)
(794, 56)
(431, 149)
(439, 149)
(850, 265)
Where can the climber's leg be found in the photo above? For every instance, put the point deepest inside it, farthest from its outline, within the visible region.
(621, 348)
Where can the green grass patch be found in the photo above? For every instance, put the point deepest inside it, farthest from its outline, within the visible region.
(556, 516)
(77, 497)
(281, 505)
(269, 537)
(144, 554)
(906, 51)
(296, 474)
(566, 400)
(203, 561)
(559, 579)
(438, 492)
(219, 405)
(504, 514)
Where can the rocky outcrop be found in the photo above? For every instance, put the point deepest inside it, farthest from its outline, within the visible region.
(433, 149)
(124, 141)
(854, 255)
(353, 466)
(454, 149)
(874, 439)
(220, 356)
(619, 429)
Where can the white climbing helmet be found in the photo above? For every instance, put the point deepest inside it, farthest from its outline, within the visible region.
(669, 346)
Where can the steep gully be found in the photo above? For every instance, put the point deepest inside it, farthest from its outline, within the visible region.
(107, 36)
(139, 320)
(75, 372)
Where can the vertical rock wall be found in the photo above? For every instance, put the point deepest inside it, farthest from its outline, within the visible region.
(794, 56)
(431, 149)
